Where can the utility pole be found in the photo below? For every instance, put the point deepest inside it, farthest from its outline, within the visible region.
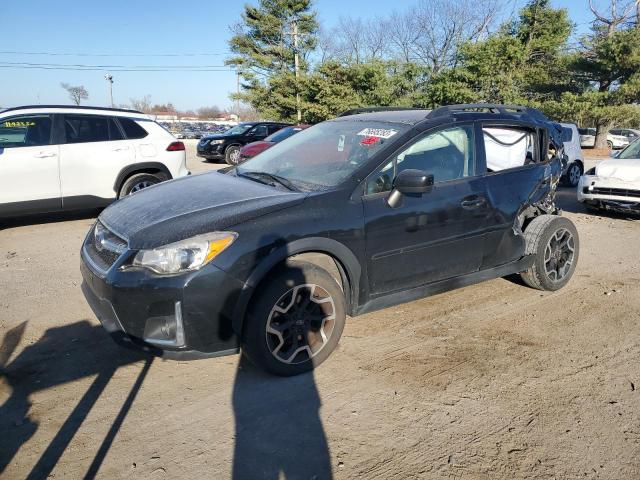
(297, 67)
(109, 78)
(238, 94)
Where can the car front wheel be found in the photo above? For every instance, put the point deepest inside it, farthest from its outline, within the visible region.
(553, 241)
(296, 320)
(232, 155)
(572, 177)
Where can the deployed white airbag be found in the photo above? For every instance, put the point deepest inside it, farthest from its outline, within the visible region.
(506, 148)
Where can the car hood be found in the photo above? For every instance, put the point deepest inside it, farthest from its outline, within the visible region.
(627, 170)
(189, 206)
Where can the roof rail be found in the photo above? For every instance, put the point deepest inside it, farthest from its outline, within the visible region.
(356, 111)
(490, 107)
(23, 107)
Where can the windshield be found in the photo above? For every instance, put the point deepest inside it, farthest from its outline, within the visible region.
(282, 134)
(324, 155)
(632, 151)
(238, 129)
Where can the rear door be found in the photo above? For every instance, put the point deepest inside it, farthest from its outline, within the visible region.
(517, 174)
(433, 236)
(94, 152)
(29, 165)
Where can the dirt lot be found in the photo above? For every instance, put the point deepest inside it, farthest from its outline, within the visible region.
(491, 381)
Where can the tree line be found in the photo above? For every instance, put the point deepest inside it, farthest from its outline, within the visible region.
(442, 52)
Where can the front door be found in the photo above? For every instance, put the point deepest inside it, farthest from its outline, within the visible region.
(433, 236)
(29, 165)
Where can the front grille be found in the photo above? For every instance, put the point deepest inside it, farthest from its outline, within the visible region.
(103, 247)
(619, 192)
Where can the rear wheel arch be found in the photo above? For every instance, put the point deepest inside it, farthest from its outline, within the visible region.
(153, 168)
(330, 255)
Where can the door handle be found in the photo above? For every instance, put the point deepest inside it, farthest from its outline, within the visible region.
(44, 155)
(120, 149)
(473, 202)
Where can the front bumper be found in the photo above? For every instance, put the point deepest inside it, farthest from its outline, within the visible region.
(209, 151)
(609, 193)
(181, 316)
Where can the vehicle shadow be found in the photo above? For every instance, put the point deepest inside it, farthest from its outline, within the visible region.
(44, 218)
(279, 433)
(62, 355)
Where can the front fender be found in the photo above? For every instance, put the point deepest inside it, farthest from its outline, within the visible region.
(348, 264)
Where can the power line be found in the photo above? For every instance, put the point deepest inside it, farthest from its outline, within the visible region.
(81, 65)
(77, 69)
(12, 52)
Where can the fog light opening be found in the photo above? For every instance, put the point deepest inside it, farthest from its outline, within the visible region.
(166, 330)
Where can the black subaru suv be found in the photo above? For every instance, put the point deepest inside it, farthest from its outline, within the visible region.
(349, 216)
(227, 145)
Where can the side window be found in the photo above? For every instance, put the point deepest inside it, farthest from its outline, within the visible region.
(25, 131)
(132, 130)
(86, 128)
(259, 131)
(114, 130)
(446, 154)
(274, 128)
(567, 134)
(507, 147)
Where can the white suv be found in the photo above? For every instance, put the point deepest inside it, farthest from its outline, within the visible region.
(55, 158)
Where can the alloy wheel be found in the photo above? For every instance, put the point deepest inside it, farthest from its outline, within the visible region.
(300, 324)
(574, 175)
(140, 186)
(559, 254)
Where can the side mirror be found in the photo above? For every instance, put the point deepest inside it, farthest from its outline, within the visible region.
(409, 182)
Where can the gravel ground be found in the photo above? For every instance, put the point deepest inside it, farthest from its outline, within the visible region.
(490, 381)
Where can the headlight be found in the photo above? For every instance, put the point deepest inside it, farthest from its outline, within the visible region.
(185, 255)
(216, 142)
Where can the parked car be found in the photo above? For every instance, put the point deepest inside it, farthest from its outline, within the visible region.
(254, 148)
(572, 149)
(631, 134)
(349, 216)
(227, 145)
(588, 139)
(55, 158)
(613, 184)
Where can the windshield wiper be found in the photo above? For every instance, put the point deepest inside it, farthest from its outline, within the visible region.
(274, 178)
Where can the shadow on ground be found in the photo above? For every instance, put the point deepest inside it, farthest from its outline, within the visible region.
(279, 433)
(38, 219)
(61, 355)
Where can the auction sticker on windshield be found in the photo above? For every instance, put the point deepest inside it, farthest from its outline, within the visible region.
(378, 132)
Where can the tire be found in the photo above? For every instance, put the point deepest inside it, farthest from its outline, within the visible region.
(232, 155)
(610, 145)
(139, 181)
(572, 177)
(280, 333)
(554, 242)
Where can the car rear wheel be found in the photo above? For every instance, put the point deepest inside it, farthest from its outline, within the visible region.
(554, 243)
(232, 155)
(138, 182)
(572, 177)
(296, 320)
(610, 144)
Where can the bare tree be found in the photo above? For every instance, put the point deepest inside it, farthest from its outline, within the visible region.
(142, 104)
(621, 12)
(209, 112)
(443, 25)
(403, 35)
(76, 93)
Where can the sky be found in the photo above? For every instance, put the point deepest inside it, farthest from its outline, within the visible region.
(135, 33)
